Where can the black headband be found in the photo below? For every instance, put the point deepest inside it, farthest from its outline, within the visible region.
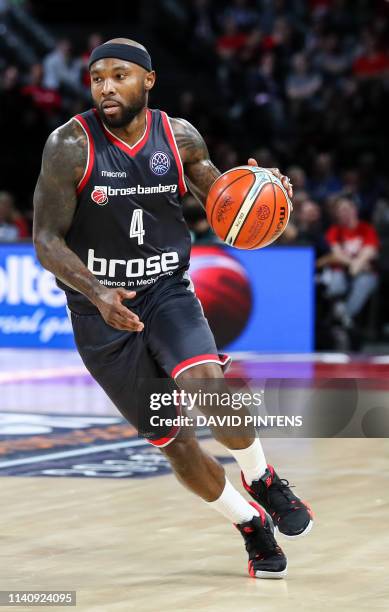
(124, 52)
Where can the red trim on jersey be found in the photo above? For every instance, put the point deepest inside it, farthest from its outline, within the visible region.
(130, 150)
(176, 153)
(91, 154)
(189, 363)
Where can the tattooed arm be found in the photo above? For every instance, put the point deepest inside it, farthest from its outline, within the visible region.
(199, 170)
(55, 201)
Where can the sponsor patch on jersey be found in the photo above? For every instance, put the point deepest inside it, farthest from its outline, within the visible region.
(99, 195)
(159, 163)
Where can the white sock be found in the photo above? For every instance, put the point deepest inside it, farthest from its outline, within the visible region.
(251, 460)
(233, 505)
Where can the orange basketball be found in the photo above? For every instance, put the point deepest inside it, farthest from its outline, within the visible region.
(248, 207)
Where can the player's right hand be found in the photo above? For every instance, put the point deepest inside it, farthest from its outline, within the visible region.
(114, 313)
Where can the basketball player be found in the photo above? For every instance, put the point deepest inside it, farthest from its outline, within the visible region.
(109, 224)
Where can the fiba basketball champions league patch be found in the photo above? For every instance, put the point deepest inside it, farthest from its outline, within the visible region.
(76, 446)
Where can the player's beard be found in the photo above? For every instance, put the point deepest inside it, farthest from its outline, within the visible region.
(127, 114)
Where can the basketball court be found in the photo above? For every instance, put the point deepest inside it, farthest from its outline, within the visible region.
(88, 506)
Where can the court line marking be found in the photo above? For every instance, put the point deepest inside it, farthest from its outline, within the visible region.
(72, 453)
(44, 373)
(81, 451)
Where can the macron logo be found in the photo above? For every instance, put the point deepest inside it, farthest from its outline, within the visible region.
(113, 174)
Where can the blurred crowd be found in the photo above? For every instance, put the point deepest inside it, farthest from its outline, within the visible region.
(33, 102)
(302, 85)
(307, 84)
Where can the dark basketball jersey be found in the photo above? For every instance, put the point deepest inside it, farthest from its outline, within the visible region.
(128, 228)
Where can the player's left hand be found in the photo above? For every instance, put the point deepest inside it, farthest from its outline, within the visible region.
(284, 179)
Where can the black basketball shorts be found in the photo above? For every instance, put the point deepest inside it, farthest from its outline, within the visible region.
(176, 337)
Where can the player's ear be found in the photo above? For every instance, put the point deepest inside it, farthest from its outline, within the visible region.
(150, 80)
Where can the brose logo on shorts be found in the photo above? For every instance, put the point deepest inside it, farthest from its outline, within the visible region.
(130, 268)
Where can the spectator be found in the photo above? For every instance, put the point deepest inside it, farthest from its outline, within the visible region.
(243, 15)
(351, 182)
(282, 39)
(11, 100)
(306, 229)
(319, 7)
(231, 40)
(331, 59)
(12, 225)
(343, 113)
(372, 186)
(48, 101)
(341, 17)
(202, 21)
(381, 222)
(324, 182)
(297, 177)
(310, 227)
(187, 105)
(302, 83)
(10, 78)
(372, 62)
(252, 48)
(271, 10)
(94, 40)
(264, 95)
(354, 245)
(299, 197)
(265, 157)
(60, 69)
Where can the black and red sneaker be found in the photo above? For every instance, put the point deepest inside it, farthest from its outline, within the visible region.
(266, 559)
(291, 516)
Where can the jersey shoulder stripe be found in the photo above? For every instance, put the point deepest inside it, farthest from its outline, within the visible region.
(173, 145)
(91, 153)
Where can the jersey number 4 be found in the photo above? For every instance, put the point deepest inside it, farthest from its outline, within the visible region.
(136, 227)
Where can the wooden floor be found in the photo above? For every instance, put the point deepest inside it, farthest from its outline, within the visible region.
(149, 545)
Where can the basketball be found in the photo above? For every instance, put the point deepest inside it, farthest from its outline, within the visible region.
(248, 207)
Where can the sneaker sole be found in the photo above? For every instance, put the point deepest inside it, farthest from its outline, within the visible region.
(272, 575)
(298, 535)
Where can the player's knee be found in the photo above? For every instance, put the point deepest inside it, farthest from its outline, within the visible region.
(208, 378)
(180, 448)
